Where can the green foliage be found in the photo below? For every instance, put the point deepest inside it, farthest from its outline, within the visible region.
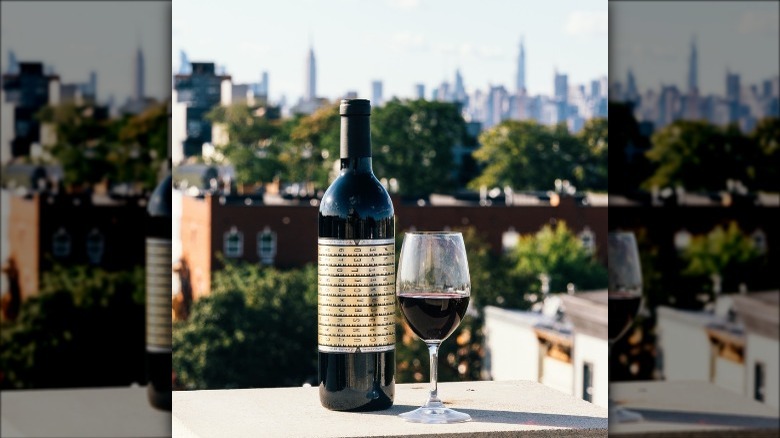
(593, 171)
(84, 328)
(314, 147)
(412, 142)
(561, 255)
(256, 329)
(681, 150)
(129, 149)
(460, 356)
(254, 142)
(725, 252)
(526, 155)
(766, 162)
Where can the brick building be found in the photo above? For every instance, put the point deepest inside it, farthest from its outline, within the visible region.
(284, 233)
(45, 229)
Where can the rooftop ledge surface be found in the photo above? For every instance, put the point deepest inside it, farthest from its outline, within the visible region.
(497, 409)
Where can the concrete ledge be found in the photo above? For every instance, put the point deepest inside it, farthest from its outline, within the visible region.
(498, 409)
(692, 409)
(81, 412)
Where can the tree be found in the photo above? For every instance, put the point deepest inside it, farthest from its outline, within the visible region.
(413, 141)
(698, 156)
(561, 255)
(727, 253)
(82, 143)
(528, 156)
(91, 149)
(314, 147)
(254, 142)
(255, 329)
(592, 172)
(85, 327)
(143, 147)
(765, 164)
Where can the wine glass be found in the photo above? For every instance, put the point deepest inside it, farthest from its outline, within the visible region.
(625, 299)
(433, 288)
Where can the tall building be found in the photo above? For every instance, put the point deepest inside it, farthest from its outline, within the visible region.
(693, 68)
(521, 69)
(138, 91)
(311, 77)
(561, 96)
(460, 91)
(185, 67)
(419, 91)
(13, 64)
(376, 93)
(199, 91)
(24, 94)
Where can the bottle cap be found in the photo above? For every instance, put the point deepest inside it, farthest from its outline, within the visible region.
(355, 107)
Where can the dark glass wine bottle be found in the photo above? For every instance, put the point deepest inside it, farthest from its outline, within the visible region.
(356, 277)
(158, 294)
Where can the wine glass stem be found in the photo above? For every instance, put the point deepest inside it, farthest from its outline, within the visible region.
(433, 351)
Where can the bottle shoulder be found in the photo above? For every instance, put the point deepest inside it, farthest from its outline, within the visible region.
(356, 192)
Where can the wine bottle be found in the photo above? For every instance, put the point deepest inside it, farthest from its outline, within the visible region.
(356, 277)
(158, 293)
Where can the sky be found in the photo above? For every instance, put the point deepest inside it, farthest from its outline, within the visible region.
(77, 37)
(654, 39)
(401, 42)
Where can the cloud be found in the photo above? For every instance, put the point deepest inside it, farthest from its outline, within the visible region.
(406, 41)
(404, 4)
(754, 22)
(587, 23)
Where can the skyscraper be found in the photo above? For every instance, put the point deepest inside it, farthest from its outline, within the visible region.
(139, 92)
(311, 77)
(419, 90)
(376, 93)
(693, 68)
(460, 90)
(521, 69)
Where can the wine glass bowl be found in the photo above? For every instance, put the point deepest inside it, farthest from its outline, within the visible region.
(624, 298)
(433, 288)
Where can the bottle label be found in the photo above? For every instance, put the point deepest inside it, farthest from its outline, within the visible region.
(158, 295)
(356, 295)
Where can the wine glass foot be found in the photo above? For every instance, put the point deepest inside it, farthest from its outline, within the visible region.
(435, 415)
(620, 415)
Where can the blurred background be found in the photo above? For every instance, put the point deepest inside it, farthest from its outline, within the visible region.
(83, 141)
(693, 100)
(487, 117)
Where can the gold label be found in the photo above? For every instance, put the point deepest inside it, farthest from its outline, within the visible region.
(158, 295)
(356, 295)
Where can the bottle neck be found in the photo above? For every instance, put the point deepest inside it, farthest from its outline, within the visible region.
(356, 143)
(360, 165)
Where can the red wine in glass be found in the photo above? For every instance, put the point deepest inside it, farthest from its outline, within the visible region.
(433, 316)
(623, 308)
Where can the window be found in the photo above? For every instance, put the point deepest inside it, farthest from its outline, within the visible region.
(759, 241)
(95, 246)
(60, 243)
(234, 243)
(759, 382)
(587, 382)
(193, 128)
(266, 246)
(588, 240)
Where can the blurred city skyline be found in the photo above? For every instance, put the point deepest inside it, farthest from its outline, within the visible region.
(655, 44)
(409, 42)
(88, 38)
